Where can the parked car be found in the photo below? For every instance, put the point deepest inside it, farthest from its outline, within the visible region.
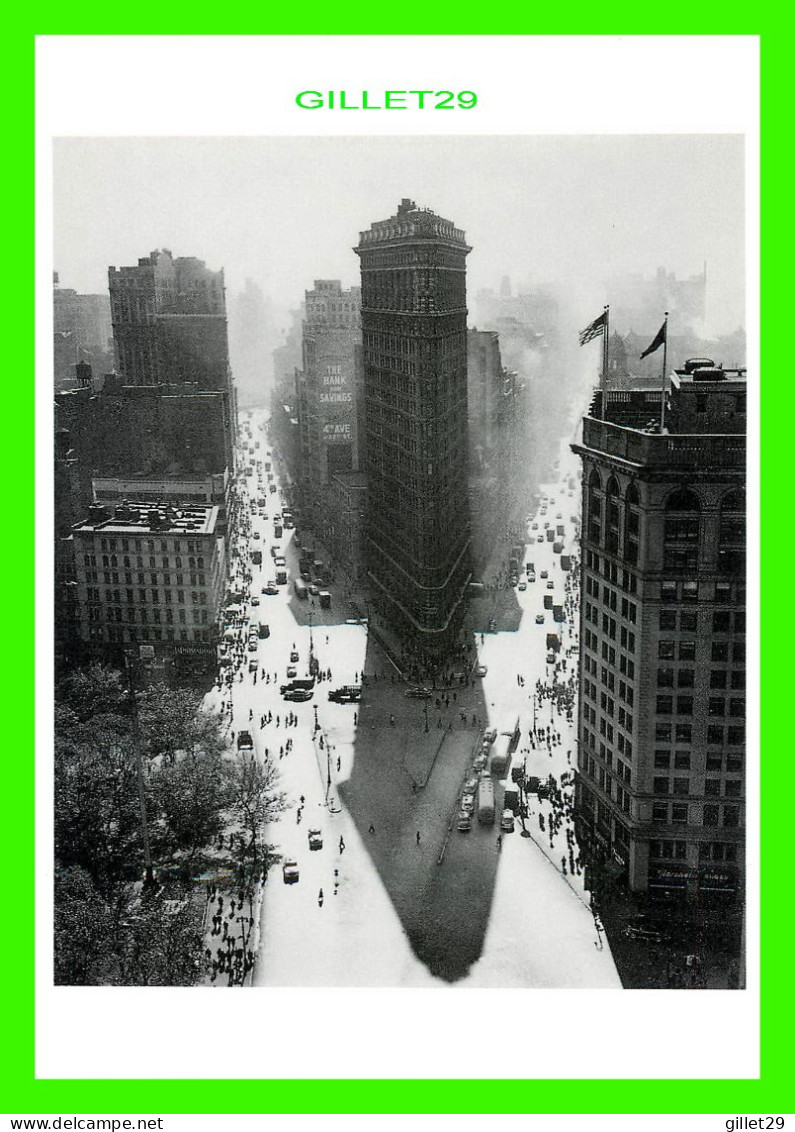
(464, 821)
(470, 786)
(643, 930)
(290, 872)
(419, 693)
(480, 669)
(522, 586)
(315, 839)
(467, 803)
(490, 736)
(506, 821)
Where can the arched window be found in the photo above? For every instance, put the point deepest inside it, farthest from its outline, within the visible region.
(613, 515)
(731, 533)
(595, 507)
(682, 530)
(632, 525)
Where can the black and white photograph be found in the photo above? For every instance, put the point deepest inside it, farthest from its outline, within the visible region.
(400, 562)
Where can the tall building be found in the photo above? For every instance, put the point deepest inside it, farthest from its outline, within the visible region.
(497, 443)
(414, 333)
(169, 321)
(328, 390)
(660, 774)
(82, 333)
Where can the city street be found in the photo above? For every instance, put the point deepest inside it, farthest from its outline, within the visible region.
(397, 896)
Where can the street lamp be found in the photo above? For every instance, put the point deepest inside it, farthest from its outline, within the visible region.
(149, 877)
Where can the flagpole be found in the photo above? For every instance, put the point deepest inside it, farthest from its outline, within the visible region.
(664, 372)
(605, 348)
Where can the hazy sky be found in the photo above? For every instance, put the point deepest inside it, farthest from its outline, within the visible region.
(286, 211)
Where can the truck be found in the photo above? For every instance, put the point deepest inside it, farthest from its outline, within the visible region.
(553, 641)
(278, 530)
(256, 557)
(557, 547)
(558, 614)
(325, 599)
(550, 535)
(281, 576)
(486, 801)
(547, 601)
(510, 800)
(565, 562)
(301, 592)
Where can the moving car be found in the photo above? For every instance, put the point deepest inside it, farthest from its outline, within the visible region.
(522, 586)
(315, 839)
(550, 585)
(264, 631)
(539, 619)
(244, 741)
(348, 694)
(419, 693)
(540, 538)
(294, 657)
(298, 695)
(544, 574)
(252, 644)
(480, 669)
(291, 671)
(253, 664)
(506, 821)
(290, 872)
(550, 658)
(490, 735)
(270, 589)
(255, 601)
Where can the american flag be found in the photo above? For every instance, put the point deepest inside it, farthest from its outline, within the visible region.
(594, 329)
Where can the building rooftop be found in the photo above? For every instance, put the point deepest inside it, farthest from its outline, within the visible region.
(410, 224)
(144, 518)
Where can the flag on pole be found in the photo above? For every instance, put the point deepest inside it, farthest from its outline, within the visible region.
(594, 330)
(659, 339)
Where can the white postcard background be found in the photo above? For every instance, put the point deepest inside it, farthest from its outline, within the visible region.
(238, 86)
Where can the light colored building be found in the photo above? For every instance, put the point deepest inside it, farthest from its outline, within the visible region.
(153, 574)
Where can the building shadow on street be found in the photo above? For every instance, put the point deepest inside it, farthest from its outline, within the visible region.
(407, 779)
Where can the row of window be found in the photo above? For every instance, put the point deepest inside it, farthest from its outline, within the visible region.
(125, 544)
(716, 706)
(112, 560)
(681, 761)
(117, 613)
(717, 735)
(115, 633)
(95, 596)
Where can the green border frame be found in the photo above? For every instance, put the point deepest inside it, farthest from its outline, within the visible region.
(26, 1095)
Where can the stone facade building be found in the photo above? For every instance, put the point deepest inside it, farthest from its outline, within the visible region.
(660, 777)
(417, 533)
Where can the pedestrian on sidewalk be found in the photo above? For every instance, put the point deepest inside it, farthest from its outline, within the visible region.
(372, 828)
(499, 842)
(418, 837)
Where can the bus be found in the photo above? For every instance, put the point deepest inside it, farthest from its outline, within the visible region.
(301, 592)
(501, 755)
(486, 802)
